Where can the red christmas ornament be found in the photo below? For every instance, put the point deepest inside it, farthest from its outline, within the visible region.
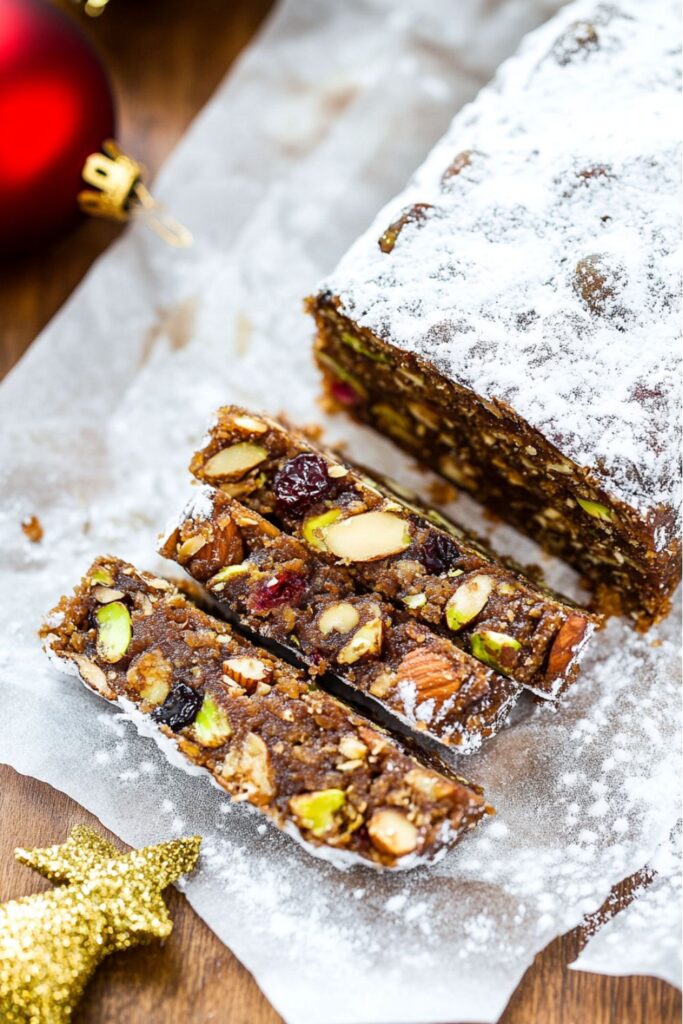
(56, 108)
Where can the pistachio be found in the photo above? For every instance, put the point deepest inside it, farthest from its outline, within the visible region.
(595, 509)
(102, 575)
(495, 649)
(227, 573)
(315, 811)
(415, 601)
(249, 766)
(313, 527)
(338, 618)
(114, 631)
(355, 343)
(106, 594)
(211, 726)
(368, 536)
(248, 672)
(341, 373)
(391, 833)
(468, 600)
(151, 675)
(366, 640)
(235, 461)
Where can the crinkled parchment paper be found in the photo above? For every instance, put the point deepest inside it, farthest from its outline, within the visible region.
(321, 121)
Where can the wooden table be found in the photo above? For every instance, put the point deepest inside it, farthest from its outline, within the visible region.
(165, 62)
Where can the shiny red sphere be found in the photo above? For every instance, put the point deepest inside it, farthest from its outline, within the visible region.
(56, 107)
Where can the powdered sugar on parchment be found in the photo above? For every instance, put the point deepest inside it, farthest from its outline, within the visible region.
(575, 155)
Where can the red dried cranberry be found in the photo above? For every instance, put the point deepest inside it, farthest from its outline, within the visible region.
(344, 393)
(438, 553)
(179, 709)
(300, 482)
(283, 588)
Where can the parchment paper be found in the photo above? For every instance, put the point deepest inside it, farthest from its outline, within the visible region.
(321, 121)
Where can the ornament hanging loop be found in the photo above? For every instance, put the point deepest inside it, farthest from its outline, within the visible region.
(119, 194)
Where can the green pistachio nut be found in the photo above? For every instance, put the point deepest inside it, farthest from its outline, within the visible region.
(313, 527)
(468, 601)
(103, 576)
(415, 600)
(595, 509)
(358, 346)
(495, 649)
(211, 726)
(315, 811)
(114, 631)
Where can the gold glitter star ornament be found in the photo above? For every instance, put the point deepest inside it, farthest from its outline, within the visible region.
(51, 943)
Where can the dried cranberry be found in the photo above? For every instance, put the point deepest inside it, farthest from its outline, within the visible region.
(300, 482)
(284, 588)
(179, 709)
(438, 553)
(344, 393)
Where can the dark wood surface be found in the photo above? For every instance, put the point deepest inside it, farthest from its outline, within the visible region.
(165, 62)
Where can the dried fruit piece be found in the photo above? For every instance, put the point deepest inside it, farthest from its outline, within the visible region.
(179, 709)
(315, 811)
(212, 726)
(368, 536)
(595, 509)
(151, 674)
(235, 461)
(114, 631)
(353, 390)
(392, 833)
(366, 640)
(468, 600)
(285, 587)
(248, 672)
(300, 482)
(414, 601)
(495, 649)
(338, 618)
(438, 553)
(313, 527)
(415, 214)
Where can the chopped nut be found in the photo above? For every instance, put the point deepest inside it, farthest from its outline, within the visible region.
(383, 684)
(227, 573)
(430, 784)
(114, 631)
(315, 811)
(313, 528)
(368, 536)
(366, 640)
(338, 618)
(190, 547)
(93, 675)
(235, 461)
(106, 594)
(570, 636)
(433, 674)
(222, 546)
(250, 424)
(391, 833)
(249, 765)
(151, 674)
(103, 576)
(415, 601)
(337, 471)
(495, 649)
(212, 725)
(595, 509)
(350, 746)
(468, 601)
(248, 672)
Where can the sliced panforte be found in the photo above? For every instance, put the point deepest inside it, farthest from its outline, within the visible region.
(259, 727)
(397, 548)
(273, 585)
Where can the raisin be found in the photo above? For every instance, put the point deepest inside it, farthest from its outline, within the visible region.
(284, 588)
(300, 482)
(438, 553)
(179, 709)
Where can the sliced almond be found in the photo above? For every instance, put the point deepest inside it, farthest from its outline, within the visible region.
(250, 424)
(190, 547)
(338, 618)
(93, 675)
(106, 594)
(392, 833)
(352, 748)
(365, 641)
(468, 601)
(336, 472)
(235, 461)
(368, 536)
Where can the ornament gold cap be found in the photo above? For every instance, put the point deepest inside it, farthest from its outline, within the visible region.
(121, 194)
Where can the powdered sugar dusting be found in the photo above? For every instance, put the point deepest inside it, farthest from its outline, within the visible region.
(575, 157)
